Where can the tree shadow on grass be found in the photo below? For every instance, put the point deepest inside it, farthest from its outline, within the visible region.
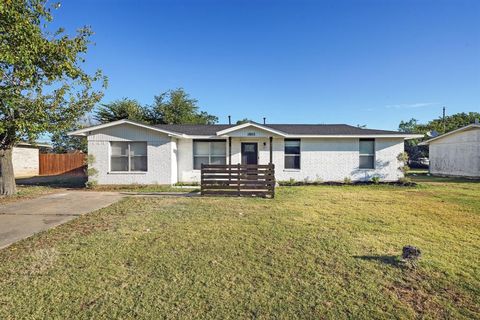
(393, 261)
(73, 181)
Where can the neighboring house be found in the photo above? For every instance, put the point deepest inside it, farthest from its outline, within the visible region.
(128, 152)
(456, 153)
(25, 158)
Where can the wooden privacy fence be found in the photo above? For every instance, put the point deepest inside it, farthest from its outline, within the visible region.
(238, 180)
(53, 164)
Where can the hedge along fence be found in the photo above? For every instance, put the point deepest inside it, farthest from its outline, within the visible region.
(53, 164)
(238, 180)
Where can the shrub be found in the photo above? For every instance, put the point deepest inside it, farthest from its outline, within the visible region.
(290, 182)
(375, 180)
(405, 181)
(186, 184)
(347, 180)
(91, 184)
(318, 180)
(403, 159)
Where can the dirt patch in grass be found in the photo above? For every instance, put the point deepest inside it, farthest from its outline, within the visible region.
(415, 289)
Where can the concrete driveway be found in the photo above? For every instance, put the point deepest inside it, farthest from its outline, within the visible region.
(23, 218)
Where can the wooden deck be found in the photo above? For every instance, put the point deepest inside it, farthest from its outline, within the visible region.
(238, 180)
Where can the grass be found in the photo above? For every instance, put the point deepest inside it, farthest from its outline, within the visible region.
(78, 182)
(145, 188)
(312, 252)
(26, 192)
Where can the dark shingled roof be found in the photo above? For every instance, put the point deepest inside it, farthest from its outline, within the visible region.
(292, 129)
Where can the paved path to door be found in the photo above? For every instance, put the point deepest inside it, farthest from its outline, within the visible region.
(23, 218)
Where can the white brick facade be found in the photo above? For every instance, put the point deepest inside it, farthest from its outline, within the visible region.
(160, 148)
(321, 159)
(170, 157)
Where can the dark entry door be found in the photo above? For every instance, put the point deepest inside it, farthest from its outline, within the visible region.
(249, 153)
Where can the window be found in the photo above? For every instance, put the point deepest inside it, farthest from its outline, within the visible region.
(292, 153)
(367, 153)
(208, 152)
(128, 156)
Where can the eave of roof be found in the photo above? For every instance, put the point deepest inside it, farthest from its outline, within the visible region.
(36, 144)
(468, 127)
(283, 130)
(85, 131)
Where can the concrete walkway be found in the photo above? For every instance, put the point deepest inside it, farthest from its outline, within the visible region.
(24, 218)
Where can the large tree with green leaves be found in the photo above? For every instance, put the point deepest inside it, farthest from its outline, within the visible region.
(121, 109)
(43, 87)
(63, 143)
(176, 107)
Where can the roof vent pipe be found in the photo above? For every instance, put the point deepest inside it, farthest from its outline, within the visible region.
(264, 120)
(229, 119)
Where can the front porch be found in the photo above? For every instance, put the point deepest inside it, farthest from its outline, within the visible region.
(249, 150)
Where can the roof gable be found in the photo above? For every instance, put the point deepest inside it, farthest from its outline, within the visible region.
(86, 131)
(257, 128)
(472, 126)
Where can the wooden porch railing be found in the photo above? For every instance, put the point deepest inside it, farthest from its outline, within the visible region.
(238, 180)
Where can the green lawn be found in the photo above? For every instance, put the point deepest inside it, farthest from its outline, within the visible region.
(312, 252)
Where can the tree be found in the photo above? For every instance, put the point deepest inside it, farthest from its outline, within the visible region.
(413, 150)
(43, 87)
(244, 120)
(452, 122)
(410, 126)
(176, 107)
(121, 109)
(63, 143)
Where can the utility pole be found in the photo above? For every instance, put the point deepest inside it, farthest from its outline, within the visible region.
(444, 120)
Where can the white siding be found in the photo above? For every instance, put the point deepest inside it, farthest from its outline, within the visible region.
(185, 162)
(251, 132)
(335, 159)
(25, 162)
(171, 160)
(174, 161)
(186, 173)
(324, 159)
(457, 154)
(160, 149)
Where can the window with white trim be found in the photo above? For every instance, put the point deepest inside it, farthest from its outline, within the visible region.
(128, 156)
(367, 153)
(292, 153)
(209, 152)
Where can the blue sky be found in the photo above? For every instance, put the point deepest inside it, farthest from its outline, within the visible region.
(355, 62)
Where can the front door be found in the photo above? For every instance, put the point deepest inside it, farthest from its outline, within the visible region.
(249, 153)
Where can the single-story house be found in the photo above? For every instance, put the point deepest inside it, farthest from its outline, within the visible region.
(456, 153)
(127, 152)
(25, 158)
